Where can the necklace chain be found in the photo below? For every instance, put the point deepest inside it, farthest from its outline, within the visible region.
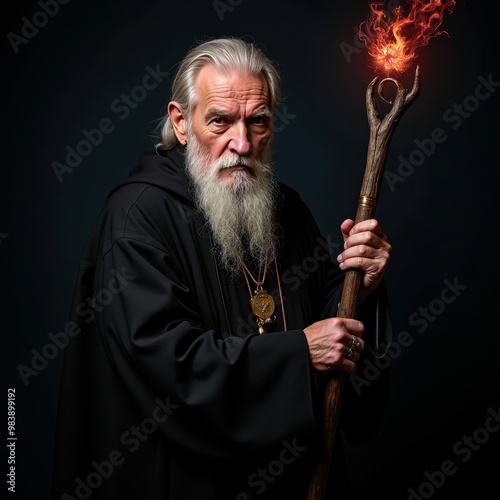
(247, 271)
(261, 300)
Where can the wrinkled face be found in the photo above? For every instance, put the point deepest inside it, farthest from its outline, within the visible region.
(231, 120)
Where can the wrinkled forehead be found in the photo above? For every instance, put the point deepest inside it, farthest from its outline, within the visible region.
(235, 86)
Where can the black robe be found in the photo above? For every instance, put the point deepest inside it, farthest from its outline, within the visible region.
(167, 391)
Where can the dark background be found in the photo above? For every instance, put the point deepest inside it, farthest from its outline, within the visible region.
(442, 218)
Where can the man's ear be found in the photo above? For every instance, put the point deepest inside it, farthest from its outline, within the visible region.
(178, 120)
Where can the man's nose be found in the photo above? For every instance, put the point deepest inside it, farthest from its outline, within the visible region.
(240, 141)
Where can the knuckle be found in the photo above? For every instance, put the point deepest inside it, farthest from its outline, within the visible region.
(337, 337)
(337, 358)
(371, 238)
(338, 322)
(371, 224)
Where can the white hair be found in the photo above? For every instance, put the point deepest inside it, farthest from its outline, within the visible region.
(226, 54)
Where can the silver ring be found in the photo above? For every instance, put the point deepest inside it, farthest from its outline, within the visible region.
(350, 354)
(355, 342)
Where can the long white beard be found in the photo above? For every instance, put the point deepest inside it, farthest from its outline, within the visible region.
(241, 216)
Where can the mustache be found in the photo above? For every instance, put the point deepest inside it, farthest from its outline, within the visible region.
(235, 160)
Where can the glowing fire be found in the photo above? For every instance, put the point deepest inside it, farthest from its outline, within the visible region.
(392, 43)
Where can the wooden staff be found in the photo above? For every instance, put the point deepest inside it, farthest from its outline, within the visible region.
(378, 147)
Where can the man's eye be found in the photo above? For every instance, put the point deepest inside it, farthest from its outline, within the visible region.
(259, 123)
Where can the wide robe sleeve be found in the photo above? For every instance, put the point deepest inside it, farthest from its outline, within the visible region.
(227, 395)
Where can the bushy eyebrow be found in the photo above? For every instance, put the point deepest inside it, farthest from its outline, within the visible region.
(215, 113)
(263, 112)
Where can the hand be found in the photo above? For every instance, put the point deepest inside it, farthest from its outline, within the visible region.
(365, 248)
(330, 342)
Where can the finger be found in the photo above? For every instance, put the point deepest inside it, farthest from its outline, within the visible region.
(370, 264)
(365, 257)
(357, 344)
(349, 365)
(361, 346)
(346, 228)
(350, 327)
(373, 268)
(370, 225)
(364, 251)
(353, 350)
(369, 252)
(349, 356)
(346, 365)
(366, 238)
(353, 355)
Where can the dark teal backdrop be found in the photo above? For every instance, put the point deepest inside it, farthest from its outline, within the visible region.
(83, 86)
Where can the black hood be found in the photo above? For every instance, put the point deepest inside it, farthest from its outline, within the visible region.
(164, 169)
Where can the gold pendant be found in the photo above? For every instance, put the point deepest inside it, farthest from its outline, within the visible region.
(263, 307)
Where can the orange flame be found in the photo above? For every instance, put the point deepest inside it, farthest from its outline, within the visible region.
(392, 43)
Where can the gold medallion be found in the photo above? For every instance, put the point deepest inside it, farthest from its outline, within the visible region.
(263, 307)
